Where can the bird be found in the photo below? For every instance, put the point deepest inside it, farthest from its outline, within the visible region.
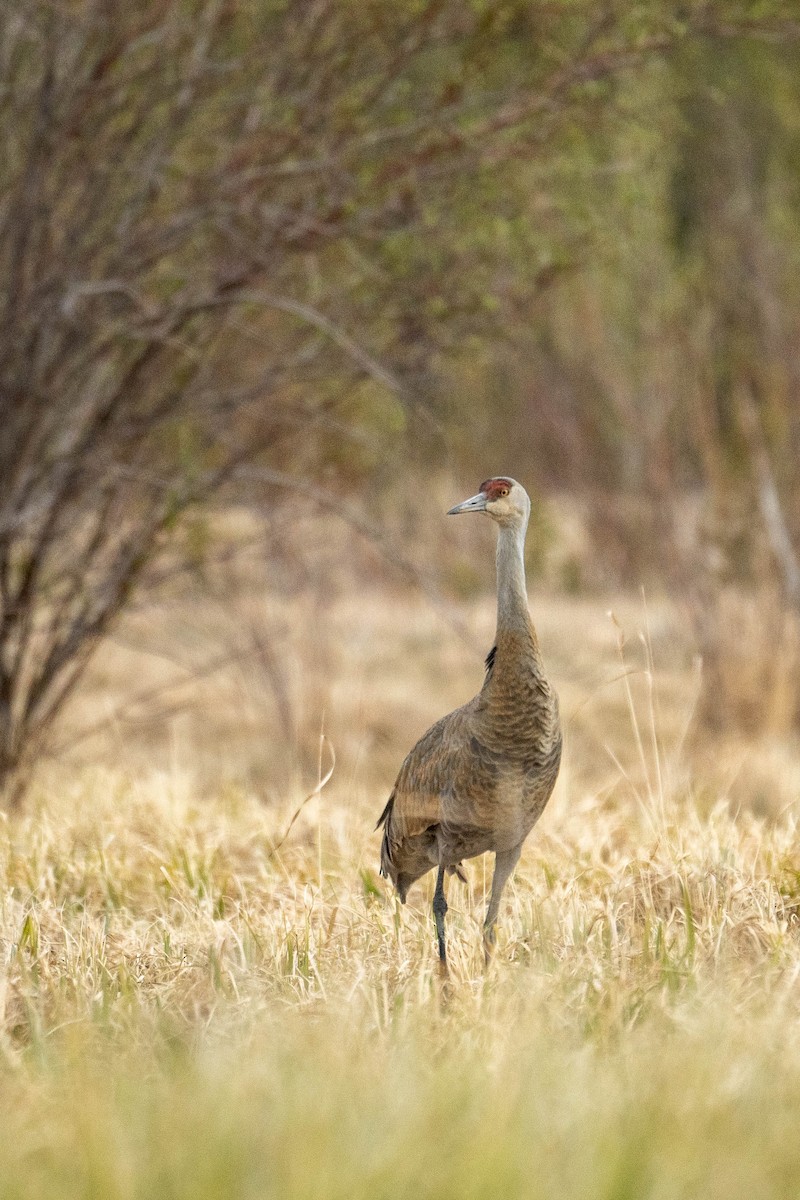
(479, 779)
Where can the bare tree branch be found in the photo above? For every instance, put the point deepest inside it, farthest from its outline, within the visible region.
(769, 501)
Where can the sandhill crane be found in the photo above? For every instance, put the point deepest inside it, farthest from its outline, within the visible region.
(480, 777)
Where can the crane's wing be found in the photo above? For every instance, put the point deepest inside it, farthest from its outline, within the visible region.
(439, 784)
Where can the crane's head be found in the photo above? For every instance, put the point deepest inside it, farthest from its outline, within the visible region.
(502, 499)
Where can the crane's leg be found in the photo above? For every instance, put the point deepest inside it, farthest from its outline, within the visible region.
(504, 864)
(439, 910)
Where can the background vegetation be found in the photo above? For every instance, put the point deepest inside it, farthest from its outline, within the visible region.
(564, 234)
(280, 282)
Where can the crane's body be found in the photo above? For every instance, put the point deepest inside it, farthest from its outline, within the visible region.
(479, 779)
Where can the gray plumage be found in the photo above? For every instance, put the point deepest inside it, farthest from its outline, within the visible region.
(480, 777)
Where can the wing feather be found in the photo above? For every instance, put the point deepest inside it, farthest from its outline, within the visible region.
(437, 786)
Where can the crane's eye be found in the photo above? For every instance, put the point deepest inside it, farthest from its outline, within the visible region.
(503, 491)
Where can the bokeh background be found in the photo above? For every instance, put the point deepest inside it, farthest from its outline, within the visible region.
(281, 281)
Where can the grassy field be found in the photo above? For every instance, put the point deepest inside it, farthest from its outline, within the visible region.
(200, 998)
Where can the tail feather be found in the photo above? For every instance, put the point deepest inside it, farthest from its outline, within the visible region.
(386, 849)
(383, 819)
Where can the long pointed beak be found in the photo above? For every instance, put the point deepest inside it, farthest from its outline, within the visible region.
(474, 504)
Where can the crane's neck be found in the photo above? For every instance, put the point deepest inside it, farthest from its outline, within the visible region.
(512, 597)
(517, 646)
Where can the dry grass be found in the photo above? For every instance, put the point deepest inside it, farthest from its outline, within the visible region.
(192, 1006)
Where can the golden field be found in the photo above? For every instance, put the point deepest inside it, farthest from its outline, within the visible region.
(207, 990)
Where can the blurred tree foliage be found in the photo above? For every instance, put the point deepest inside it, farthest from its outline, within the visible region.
(274, 231)
(660, 379)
